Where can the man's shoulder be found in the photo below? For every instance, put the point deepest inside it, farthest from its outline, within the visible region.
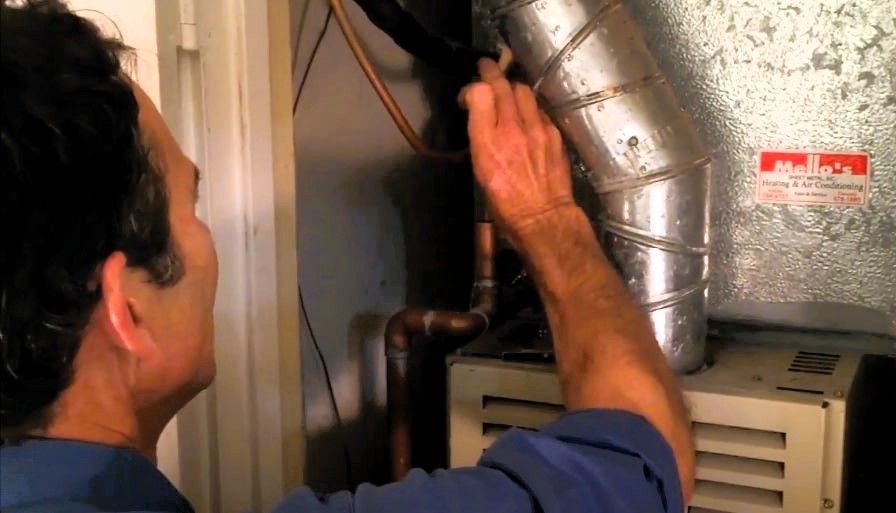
(67, 507)
(53, 507)
(67, 476)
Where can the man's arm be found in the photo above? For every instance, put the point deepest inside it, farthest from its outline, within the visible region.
(603, 455)
(586, 461)
(606, 352)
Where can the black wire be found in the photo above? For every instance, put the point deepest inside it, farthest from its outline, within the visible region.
(320, 39)
(295, 47)
(323, 363)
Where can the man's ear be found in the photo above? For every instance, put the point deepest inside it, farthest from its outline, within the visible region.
(120, 310)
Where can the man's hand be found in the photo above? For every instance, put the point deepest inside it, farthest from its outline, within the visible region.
(607, 355)
(517, 152)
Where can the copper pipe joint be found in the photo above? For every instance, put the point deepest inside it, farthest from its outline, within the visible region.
(458, 326)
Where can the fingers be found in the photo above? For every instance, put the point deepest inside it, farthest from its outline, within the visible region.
(494, 101)
(528, 109)
(480, 100)
(489, 70)
(462, 96)
(531, 124)
(556, 154)
(505, 102)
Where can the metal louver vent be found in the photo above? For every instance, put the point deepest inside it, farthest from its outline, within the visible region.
(502, 413)
(758, 451)
(738, 469)
(814, 363)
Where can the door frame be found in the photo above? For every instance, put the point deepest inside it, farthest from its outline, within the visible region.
(226, 89)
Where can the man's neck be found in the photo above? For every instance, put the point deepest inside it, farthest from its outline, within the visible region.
(102, 433)
(107, 419)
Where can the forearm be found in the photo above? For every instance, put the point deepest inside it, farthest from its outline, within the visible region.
(607, 355)
(596, 324)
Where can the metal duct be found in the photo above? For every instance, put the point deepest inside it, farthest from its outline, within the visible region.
(588, 60)
(800, 75)
(796, 75)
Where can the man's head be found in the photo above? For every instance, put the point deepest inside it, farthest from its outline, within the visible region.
(107, 278)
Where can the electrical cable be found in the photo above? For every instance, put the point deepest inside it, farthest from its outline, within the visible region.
(317, 43)
(354, 43)
(295, 47)
(323, 362)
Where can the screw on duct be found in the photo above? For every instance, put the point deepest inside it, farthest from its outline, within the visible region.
(589, 62)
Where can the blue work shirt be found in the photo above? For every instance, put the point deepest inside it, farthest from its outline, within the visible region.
(585, 462)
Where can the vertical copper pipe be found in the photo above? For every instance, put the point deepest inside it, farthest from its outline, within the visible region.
(399, 411)
(484, 286)
(410, 322)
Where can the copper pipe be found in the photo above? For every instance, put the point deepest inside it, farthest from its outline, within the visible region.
(484, 251)
(354, 42)
(410, 322)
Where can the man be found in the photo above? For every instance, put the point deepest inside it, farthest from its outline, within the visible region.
(107, 285)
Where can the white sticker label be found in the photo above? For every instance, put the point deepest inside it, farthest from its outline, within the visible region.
(813, 178)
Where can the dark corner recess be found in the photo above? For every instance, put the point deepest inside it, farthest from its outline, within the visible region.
(439, 52)
(870, 447)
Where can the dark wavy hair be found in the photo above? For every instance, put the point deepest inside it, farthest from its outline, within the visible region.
(77, 184)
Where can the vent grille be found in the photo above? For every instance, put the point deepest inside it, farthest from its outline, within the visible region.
(814, 363)
(738, 469)
(502, 413)
(738, 499)
(758, 452)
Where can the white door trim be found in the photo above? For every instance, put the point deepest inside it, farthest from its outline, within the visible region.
(226, 81)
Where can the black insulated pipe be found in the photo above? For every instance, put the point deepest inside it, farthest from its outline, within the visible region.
(439, 52)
